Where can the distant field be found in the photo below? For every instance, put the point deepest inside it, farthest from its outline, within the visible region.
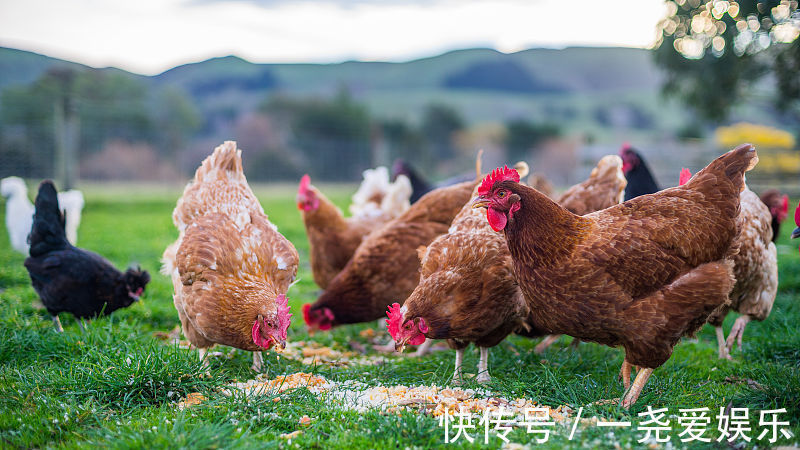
(118, 385)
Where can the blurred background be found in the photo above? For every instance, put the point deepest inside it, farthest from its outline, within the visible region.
(108, 91)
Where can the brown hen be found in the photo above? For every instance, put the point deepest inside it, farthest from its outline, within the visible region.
(604, 188)
(332, 238)
(385, 267)
(467, 291)
(230, 267)
(639, 275)
(755, 267)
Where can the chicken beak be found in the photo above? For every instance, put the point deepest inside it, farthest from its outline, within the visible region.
(480, 202)
(280, 346)
(796, 233)
(400, 346)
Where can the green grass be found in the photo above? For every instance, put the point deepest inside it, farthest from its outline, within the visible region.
(117, 385)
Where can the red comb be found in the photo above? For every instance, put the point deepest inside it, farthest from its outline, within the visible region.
(797, 216)
(304, 183)
(684, 177)
(395, 316)
(306, 313)
(625, 146)
(499, 174)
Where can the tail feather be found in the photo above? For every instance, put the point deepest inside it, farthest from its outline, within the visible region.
(733, 164)
(522, 168)
(47, 232)
(226, 158)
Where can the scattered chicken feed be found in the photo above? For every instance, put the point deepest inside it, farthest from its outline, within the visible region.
(433, 400)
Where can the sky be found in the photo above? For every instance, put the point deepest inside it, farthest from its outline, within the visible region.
(150, 36)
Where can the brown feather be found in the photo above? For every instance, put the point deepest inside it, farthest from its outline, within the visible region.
(640, 274)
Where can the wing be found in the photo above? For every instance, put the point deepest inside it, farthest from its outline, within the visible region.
(646, 242)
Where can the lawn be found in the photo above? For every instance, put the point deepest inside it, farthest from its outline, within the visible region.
(118, 384)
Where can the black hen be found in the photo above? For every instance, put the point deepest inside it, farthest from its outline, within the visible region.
(640, 180)
(71, 279)
(420, 186)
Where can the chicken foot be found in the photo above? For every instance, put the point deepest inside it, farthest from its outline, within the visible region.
(550, 340)
(57, 323)
(483, 367)
(423, 349)
(736, 332)
(258, 361)
(625, 373)
(632, 394)
(723, 348)
(546, 343)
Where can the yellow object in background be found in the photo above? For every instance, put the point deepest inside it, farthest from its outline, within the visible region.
(761, 136)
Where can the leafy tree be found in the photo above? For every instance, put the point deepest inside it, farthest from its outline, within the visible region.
(333, 134)
(404, 141)
(715, 51)
(439, 124)
(104, 106)
(523, 136)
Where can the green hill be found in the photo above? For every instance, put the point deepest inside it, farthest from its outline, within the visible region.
(585, 89)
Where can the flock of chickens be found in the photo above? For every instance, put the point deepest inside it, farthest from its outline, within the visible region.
(613, 260)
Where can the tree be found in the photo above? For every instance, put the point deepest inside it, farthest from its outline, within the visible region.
(714, 52)
(81, 111)
(523, 136)
(404, 141)
(333, 134)
(439, 123)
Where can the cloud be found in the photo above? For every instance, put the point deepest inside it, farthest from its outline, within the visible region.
(340, 3)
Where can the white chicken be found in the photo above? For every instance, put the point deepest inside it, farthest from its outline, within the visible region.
(377, 196)
(19, 212)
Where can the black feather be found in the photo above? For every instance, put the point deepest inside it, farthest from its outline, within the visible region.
(70, 279)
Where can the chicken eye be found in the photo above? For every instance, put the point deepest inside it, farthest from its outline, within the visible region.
(501, 194)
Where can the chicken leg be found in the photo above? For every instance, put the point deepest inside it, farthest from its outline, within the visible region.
(424, 348)
(625, 374)
(258, 361)
(632, 394)
(723, 348)
(546, 343)
(483, 367)
(736, 332)
(57, 323)
(457, 380)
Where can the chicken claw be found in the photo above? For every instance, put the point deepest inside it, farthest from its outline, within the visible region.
(546, 343)
(723, 348)
(258, 362)
(736, 332)
(483, 367)
(57, 323)
(632, 394)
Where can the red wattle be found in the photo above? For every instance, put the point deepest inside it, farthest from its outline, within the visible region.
(258, 339)
(497, 220)
(417, 340)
